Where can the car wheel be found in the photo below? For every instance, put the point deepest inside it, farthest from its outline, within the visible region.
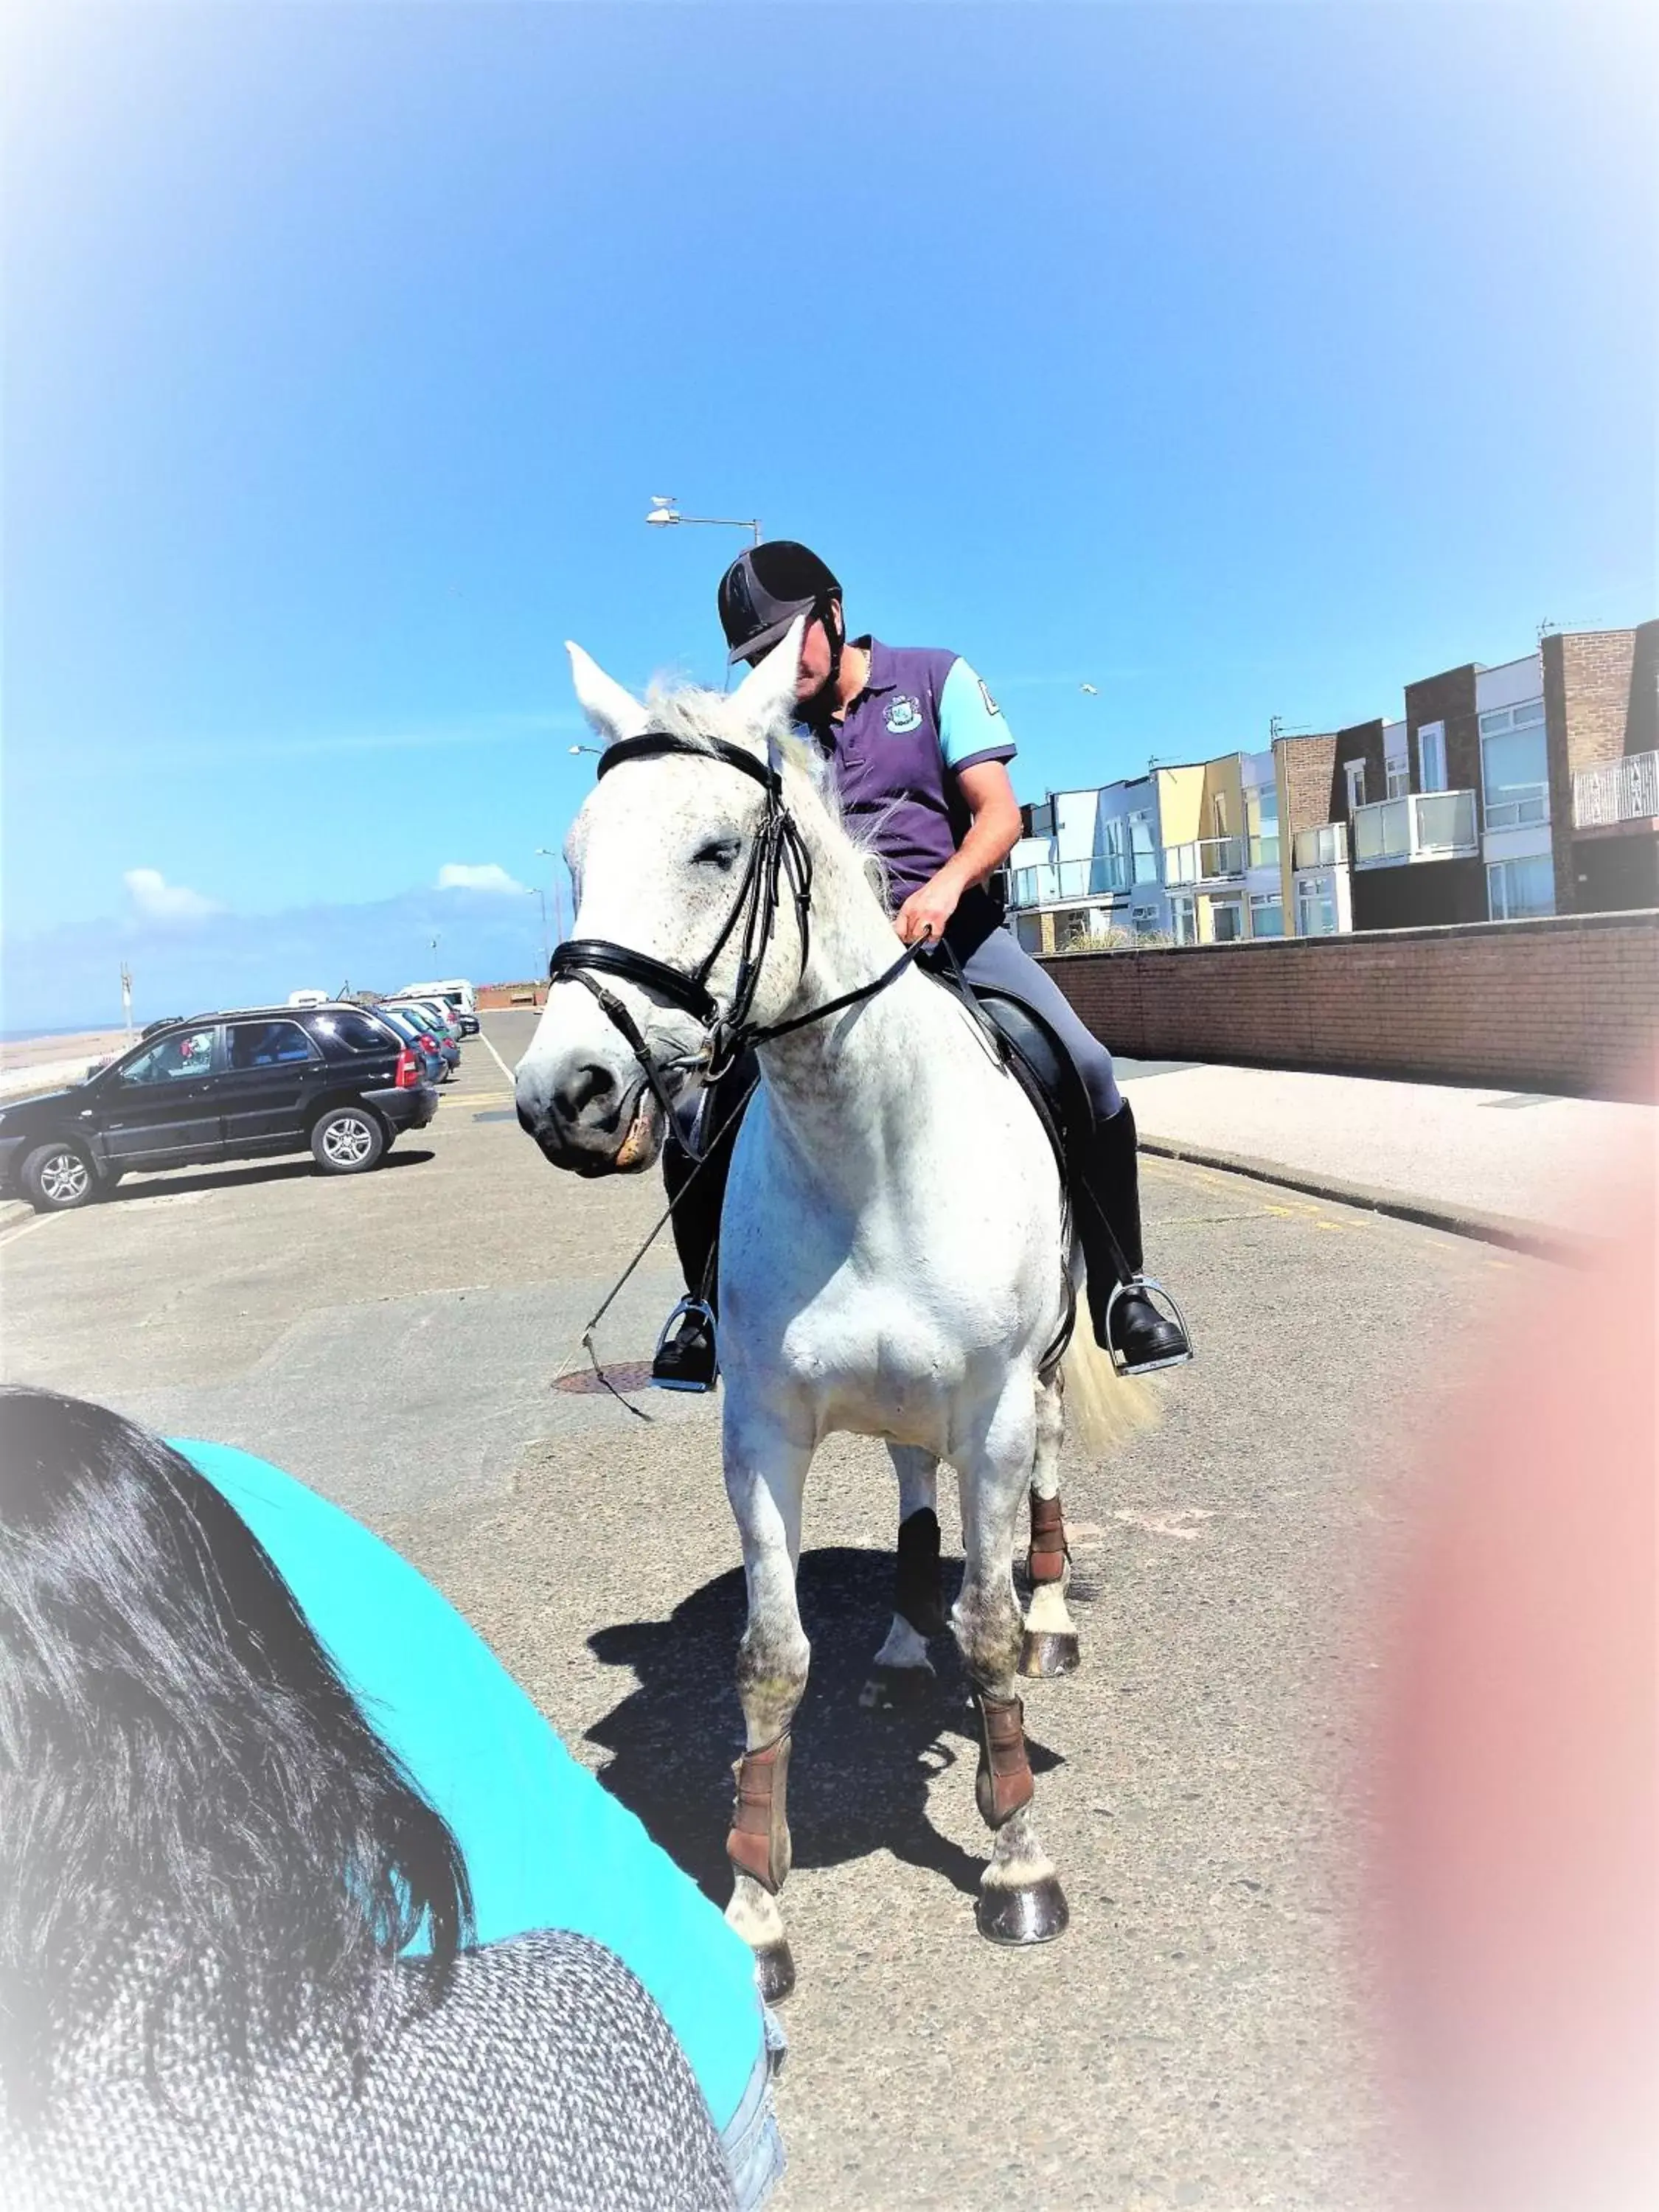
(59, 1176)
(347, 1140)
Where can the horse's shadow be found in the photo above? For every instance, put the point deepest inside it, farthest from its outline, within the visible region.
(858, 1779)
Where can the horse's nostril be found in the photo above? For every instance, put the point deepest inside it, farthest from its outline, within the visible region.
(527, 1122)
(585, 1085)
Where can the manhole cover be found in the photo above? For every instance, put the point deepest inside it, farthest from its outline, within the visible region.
(623, 1374)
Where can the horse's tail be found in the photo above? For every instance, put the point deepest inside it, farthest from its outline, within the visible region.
(1104, 1410)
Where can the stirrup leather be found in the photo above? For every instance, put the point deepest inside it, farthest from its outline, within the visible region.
(684, 1310)
(1145, 1283)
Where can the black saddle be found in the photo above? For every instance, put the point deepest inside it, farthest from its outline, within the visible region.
(1031, 1049)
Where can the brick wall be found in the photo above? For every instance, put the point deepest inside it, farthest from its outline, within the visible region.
(1306, 766)
(1448, 698)
(1567, 1005)
(493, 998)
(1587, 716)
(1360, 741)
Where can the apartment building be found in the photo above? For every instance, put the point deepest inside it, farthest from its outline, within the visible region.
(1502, 793)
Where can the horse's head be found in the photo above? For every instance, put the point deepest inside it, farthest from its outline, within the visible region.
(658, 855)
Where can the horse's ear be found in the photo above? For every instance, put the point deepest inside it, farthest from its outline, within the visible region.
(612, 712)
(768, 692)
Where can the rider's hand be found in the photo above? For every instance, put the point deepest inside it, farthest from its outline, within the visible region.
(926, 912)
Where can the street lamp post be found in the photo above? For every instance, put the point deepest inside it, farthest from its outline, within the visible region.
(665, 515)
(547, 852)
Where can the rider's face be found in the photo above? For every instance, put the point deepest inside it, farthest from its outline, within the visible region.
(815, 657)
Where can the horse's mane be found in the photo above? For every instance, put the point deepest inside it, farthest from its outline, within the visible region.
(697, 717)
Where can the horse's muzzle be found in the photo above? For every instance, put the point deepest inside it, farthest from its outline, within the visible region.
(590, 1130)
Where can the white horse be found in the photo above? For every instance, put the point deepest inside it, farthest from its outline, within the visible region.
(891, 1255)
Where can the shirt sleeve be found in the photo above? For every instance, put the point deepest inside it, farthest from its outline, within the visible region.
(970, 724)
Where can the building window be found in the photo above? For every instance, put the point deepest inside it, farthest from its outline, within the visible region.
(1516, 889)
(1226, 920)
(1028, 931)
(1143, 848)
(1143, 919)
(1355, 772)
(1266, 916)
(1183, 919)
(1431, 756)
(1261, 825)
(1315, 907)
(1515, 776)
(1397, 776)
(1219, 813)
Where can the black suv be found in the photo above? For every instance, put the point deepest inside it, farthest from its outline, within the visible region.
(234, 1086)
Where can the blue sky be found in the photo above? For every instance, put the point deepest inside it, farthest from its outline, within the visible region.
(1238, 361)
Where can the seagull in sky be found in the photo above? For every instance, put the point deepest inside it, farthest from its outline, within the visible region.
(1089, 689)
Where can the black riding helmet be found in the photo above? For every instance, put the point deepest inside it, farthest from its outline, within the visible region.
(766, 588)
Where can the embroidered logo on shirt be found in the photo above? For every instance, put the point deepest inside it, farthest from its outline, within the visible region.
(903, 714)
(991, 706)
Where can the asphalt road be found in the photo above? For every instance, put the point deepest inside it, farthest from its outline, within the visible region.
(1207, 2033)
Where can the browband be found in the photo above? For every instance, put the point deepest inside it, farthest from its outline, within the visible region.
(655, 743)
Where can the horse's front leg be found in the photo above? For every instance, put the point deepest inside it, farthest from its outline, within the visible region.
(765, 1476)
(1049, 1645)
(901, 1674)
(1020, 1899)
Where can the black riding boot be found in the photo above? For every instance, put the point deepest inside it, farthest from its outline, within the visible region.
(1142, 1338)
(686, 1358)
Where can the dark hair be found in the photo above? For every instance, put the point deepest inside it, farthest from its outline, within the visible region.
(185, 1779)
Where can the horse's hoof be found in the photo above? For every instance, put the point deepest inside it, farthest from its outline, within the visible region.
(897, 1689)
(1045, 1654)
(1036, 1914)
(774, 1971)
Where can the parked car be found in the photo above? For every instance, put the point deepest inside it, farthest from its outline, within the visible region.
(422, 1019)
(336, 1080)
(440, 1061)
(456, 992)
(440, 1010)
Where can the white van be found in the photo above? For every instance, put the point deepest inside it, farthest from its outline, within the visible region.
(456, 992)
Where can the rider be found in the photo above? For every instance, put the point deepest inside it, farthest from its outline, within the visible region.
(919, 752)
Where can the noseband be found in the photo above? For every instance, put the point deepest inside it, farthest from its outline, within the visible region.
(778, 852)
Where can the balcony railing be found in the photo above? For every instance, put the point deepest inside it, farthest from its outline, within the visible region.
(1326, 846)
(1050, 881)
(1623, 791)
(1427, 825)
(1205, 860)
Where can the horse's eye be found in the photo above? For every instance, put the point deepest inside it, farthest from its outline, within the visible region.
(719, 853)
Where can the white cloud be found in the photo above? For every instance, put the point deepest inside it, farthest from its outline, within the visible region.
(157, 900)
(484, 876)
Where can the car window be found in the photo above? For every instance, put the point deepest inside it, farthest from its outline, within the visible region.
(175, 1059)
(356, 1033)
(267, 1044)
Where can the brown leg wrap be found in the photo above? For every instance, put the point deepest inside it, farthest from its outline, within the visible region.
(1046, 1560)
(758, 1843)
(1003, 1781)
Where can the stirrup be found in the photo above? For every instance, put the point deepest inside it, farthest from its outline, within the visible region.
(684, 1310)
(1146, 1366)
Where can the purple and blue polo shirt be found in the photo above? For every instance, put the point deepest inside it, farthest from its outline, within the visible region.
(922, 717)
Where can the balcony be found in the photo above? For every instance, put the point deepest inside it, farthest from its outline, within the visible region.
(1425, 825)
(1053, 883)
(1326, 846)
(1623, 791)
(1205, 860)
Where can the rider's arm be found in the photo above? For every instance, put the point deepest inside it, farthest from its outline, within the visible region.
(974, 741)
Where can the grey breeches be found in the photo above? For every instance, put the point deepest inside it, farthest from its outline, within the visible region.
(999, 964)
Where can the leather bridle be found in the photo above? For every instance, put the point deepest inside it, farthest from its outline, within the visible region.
(777, 856)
